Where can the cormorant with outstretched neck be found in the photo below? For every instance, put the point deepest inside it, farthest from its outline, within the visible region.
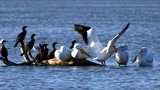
(51, 54)
(3, 49)
(21, 36)
(29, 45)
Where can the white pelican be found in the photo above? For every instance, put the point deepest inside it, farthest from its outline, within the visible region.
(121, 55)
(78, 52)
(63, 53)
(144, 58)
(91, 40)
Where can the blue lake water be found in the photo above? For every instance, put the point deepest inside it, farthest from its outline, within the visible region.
(53, 20)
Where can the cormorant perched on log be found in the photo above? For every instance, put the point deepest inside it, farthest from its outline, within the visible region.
(38, 58)
(42, 53)
(3, 49)
(51, 54)
(73, 43)
(45, 52)
(29, 46)
(21, 36)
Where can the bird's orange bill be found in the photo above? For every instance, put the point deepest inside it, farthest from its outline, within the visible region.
(84, 52)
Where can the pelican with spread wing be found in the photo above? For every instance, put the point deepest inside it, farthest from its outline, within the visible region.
(90, 38)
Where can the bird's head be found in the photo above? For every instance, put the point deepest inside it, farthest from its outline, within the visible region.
(33, 35)
(24, 27)
(3, 41)
(73, 43)
(54, 43)
(123, 47)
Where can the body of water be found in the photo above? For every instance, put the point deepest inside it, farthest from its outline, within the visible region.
(53, 20)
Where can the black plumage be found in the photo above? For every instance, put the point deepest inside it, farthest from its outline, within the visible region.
(82, 29)
(73, 43)
(29, 45)
(38, 57)
(21, 36)
(44, 52)
(51, 54)
(3, 50)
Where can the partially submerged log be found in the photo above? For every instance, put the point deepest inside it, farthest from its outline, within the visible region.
(7, 62)
(72, 62)
(52, 62)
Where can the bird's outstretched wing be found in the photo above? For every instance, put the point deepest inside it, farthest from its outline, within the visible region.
(111, 42)
(82, 29)
(119, 34)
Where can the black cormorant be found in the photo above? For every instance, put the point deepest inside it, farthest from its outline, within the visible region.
(3, 49)
(21, 36)
(38, 57)
(46, 50)
(51, 54)
(29, 45)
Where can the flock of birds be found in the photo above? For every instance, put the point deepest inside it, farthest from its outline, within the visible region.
(76, 51)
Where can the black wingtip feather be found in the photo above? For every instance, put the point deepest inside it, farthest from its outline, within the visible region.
(82, 29)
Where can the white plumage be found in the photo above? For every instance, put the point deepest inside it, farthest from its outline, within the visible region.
(121, 56)
(64, 53)
(144, 58)
(90, 38)
(79, 53)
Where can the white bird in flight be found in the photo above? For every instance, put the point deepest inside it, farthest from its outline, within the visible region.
(91, 40)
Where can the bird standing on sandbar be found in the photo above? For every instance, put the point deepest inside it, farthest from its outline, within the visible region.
(3, 49)
(21, 36)
(29, 46)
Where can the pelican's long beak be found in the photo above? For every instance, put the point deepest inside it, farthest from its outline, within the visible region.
(84, 52)
(134, 59)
